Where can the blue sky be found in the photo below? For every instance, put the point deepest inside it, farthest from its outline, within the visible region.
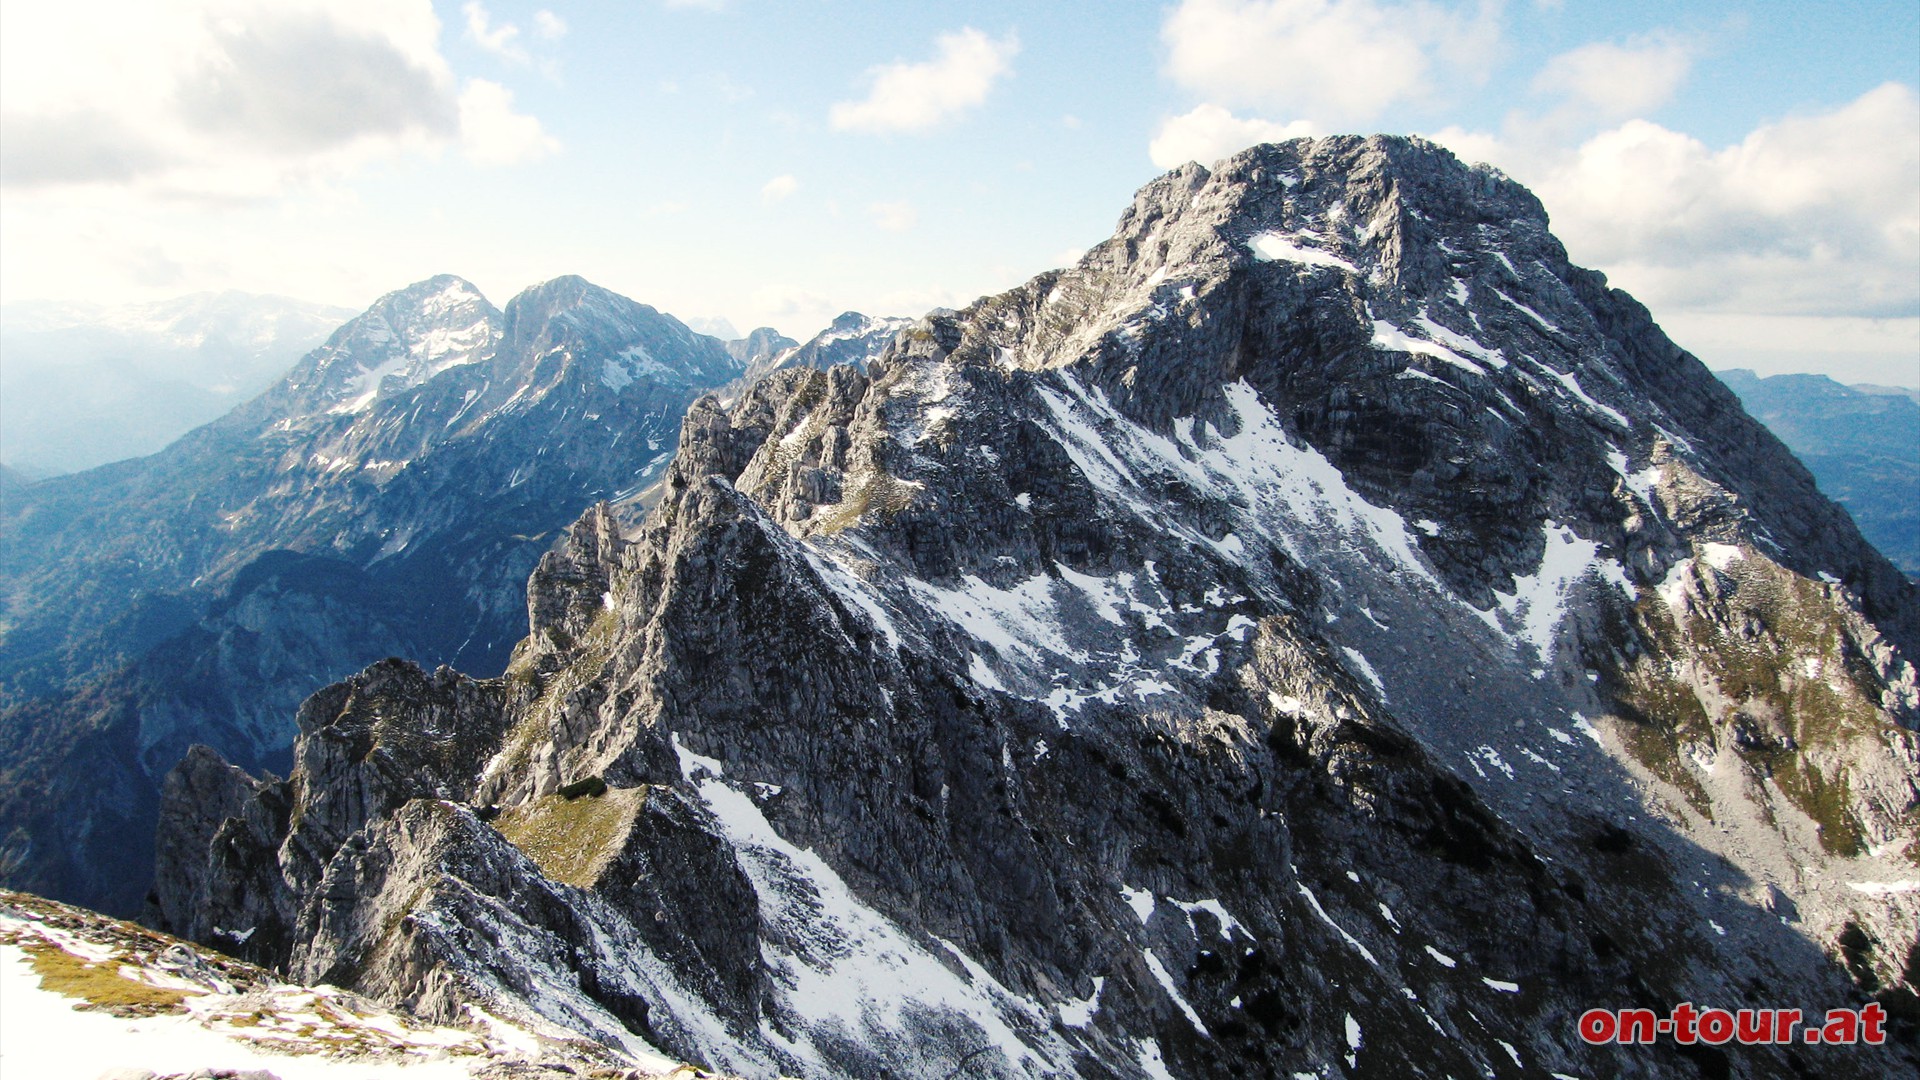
(1750, 170)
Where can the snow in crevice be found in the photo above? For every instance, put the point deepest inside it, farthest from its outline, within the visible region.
(630, 364)
(692, 764)
(1140, 900)
(845, 971)
(1279, 247)
(1585, 727)
(1493, 759)
(1533, 611)
(1079, 1013)
(367, 383)
(1359, 663)
(851, 590)
(1571, 384)
(1147, 1055)
(1020, 623)
(1165, 979)
(979, 672)
(1721, 556)
(1227, 924)
(1294, 495)
(1391, 338)
(1459, 343)
(1412, 374)
(1543, 322)
(1641, 483)
(1314, 902)
(1674, 587)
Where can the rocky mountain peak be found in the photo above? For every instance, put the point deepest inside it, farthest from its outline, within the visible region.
(1322, 626)
(391, 496)
(759, 346)
(852, 338)
(403, 340)
(570, 323)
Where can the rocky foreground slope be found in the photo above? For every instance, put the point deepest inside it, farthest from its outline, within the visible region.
(90, 997)
(1323, 632)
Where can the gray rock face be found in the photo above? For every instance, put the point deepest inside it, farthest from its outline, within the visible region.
(390, 496)
(1322, 631)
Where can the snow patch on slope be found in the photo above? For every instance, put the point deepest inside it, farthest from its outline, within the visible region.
(1532, 612)
(1278, 247)
(851, 973)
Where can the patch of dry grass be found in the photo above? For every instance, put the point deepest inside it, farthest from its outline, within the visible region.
(100, 984)
(572, 840)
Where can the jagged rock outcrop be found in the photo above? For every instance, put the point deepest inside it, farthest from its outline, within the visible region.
(1321, 631)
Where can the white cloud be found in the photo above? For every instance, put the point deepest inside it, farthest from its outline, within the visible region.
(491, 133)
(497, 40)
(1210, 133)
(917, 97)
(795, 311)
(778, 188)
(1618, 81)
(1810, 215)
(237, 99)
(1335, 61)
(548, 26)
(894, 216)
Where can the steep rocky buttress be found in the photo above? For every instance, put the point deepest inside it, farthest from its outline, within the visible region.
(1323, 632)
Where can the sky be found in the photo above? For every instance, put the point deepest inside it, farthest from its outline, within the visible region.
(1750, 171)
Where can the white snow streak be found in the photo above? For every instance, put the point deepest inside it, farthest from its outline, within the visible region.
(1277, 247)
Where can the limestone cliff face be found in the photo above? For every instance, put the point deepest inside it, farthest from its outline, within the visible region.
(1323, 630)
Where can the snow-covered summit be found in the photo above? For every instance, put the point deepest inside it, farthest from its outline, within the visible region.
(406, 338)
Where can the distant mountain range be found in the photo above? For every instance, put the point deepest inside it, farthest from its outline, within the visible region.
(387, 496)
(82, 384)
(1862, 443)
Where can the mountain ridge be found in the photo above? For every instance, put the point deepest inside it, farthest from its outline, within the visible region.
(1321, 620)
